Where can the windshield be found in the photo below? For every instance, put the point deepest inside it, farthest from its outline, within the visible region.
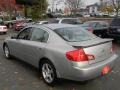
(115, 22)
(71, 21)
(74, 34)
(89, 24)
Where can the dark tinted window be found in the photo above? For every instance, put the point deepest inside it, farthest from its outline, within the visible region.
(115, 22)
(89, 24)
(39, 35)
(71, 21)
(53, 21)
(74, 34)
(102, 25)
(25, 34)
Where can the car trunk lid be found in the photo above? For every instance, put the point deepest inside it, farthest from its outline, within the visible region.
(100, 48)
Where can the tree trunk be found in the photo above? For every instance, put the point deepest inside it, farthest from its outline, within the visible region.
(25, 10)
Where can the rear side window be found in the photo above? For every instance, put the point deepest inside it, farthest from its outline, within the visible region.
(39, 35)
(74, 34)
(115, 22)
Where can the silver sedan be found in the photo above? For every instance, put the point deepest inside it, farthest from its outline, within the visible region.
(62, 51)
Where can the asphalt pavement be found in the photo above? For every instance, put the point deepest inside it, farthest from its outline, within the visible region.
(18, 75)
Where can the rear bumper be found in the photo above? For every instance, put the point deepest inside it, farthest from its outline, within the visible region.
(91, 71)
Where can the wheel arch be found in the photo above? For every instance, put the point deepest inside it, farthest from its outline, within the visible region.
(47, 59)
(4, 44)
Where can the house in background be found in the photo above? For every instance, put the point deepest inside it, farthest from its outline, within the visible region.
(93, 9)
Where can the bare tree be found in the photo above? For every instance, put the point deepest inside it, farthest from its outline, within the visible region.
(116, 6)
(74, 5)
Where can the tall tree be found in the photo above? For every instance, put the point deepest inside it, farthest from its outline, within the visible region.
(38, 7)
(116, 5)
(106, 7)
(74, 5)
(26, 2)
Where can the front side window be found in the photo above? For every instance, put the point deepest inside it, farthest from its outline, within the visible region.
(39, 35)
(25, 34)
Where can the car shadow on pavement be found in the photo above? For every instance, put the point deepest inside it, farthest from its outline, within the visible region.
(36, 73)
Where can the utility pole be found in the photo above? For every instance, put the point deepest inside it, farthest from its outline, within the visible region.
(9, 10)
(53, 5)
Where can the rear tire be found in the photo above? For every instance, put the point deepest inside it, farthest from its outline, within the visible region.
(48, 72)
(6, 51)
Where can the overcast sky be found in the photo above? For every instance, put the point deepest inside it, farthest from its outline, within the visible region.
(86, 2)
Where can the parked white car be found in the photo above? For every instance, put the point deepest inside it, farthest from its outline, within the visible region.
(86, 15)
(3, 29)
(42, 22)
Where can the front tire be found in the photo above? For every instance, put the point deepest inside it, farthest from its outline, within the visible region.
(7, 51)
(48, 73)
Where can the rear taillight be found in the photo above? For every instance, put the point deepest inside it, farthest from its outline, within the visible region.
(79, 56)
(90, 30)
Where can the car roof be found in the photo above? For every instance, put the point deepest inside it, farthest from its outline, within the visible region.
(57, 26)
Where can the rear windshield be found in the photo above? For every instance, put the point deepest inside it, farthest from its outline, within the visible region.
(115, 22)
(74, 34)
